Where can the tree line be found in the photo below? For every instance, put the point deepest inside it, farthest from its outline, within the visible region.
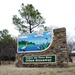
(8, 46)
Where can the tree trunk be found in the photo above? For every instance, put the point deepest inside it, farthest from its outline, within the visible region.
(30, 29)
(9, 61)
(0, 61)
(0, 57)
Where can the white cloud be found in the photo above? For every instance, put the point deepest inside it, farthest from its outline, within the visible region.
(23, 37)
(48, 33)
(35, 36)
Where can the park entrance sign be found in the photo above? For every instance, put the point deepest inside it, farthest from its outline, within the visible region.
(40, 59)
(46, 49)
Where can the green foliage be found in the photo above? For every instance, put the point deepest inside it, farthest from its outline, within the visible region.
(45, 28)
(26, 42)
(8, 45)
(44, 46)
(30, 18)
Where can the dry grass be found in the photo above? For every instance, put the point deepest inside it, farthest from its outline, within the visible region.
(12, 70)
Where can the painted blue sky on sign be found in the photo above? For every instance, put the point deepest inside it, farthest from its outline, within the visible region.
(40, 42)
(35, 38)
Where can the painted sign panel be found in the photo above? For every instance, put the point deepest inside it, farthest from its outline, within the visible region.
(29, 59)
(34, 42)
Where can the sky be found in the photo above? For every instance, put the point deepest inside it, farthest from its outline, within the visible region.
(32, 38)
(60, 13)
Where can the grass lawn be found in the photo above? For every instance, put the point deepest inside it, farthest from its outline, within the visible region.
(12, 70)
(22, 45)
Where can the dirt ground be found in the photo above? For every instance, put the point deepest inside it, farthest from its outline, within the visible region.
(13, 70)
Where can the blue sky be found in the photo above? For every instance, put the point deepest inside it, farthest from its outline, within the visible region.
(59, 13)
(38, 39)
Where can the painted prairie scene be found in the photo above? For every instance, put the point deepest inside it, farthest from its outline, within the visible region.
(34, 42)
